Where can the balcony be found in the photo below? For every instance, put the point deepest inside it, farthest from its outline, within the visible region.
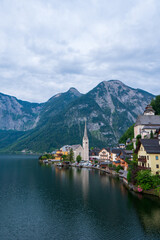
(143, 168)
(142, 159)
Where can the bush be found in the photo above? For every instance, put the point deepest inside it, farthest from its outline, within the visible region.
(78, 158)
(119, 167)
(129, 176)
(145, 180)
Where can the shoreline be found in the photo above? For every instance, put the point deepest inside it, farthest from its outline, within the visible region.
(129, 186)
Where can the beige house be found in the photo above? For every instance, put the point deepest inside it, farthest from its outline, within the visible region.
(104, 155)
(149, 155)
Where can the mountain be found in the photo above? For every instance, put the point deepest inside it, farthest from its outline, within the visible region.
(110, 108)
(56, 104)
(18, 115)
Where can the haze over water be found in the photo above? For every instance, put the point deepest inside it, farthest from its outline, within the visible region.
(43, 202)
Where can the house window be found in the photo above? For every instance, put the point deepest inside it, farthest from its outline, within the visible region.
(157, 165)
(157, 173)
(156, 157)
(147, 157)
(148, 164)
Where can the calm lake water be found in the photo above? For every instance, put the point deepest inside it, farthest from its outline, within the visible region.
(42, 202)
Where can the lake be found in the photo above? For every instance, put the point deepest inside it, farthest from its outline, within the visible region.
(45, 202)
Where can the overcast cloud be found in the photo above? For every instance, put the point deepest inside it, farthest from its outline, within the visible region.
(48, 46)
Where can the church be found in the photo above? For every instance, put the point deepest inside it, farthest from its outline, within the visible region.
(146, 123)
(83, 150)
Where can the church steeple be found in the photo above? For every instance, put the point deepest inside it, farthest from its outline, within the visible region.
(85, 131)
(85, 144)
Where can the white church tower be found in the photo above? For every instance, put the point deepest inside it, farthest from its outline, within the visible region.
(85, 144)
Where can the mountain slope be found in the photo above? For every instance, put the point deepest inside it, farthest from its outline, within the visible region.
(110, 108)
(57, 104)
(18, 115)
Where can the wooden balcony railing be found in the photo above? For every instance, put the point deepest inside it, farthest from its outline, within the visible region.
(142, 159)
(143, 168)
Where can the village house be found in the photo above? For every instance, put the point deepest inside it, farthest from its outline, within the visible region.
(123, 158)
(148, 151)
(94, 154)
(122, 145)
(104, 155)
(59, 153)
(113, 154)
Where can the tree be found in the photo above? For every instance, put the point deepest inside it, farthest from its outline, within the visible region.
(64, 157)
(144, 179)
(119, 167)
(128, 134)
(155, 103)
(151, 134)
(133, 170)
(137, 139)
(78, 158)
(71, 155)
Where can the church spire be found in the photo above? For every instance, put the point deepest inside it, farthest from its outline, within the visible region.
(85, 130)
(85, 144)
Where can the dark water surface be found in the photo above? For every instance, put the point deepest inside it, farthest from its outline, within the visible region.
(42, 202)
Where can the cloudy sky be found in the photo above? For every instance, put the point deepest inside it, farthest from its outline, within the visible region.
(48, 46)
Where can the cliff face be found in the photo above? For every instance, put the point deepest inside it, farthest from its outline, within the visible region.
(18, 115)
(110, 108)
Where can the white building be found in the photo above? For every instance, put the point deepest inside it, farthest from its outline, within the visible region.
(85, 145)
(147, 123)
(77, 150)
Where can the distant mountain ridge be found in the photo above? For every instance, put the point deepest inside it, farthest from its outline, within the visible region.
(18, 115)
(110, 108)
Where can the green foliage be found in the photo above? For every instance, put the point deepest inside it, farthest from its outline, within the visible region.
(119, 167)
(71, 155)
(155, 103)
(9, 137)
(135, 158)
(64, 157)
(129, 147)
(78, 158)
(156, 180)
(47, 156)
(129, 176)
(151, 135)
(137, 139)
(128, 134)
(158, 190)
(133, 170)
(146, 180)
(112, 166)
(127, 160)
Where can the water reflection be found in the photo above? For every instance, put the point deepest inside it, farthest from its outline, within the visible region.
(46, 202)
(148, 212)
(100, 187)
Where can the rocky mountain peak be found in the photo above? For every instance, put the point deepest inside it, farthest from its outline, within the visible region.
(74, 91)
